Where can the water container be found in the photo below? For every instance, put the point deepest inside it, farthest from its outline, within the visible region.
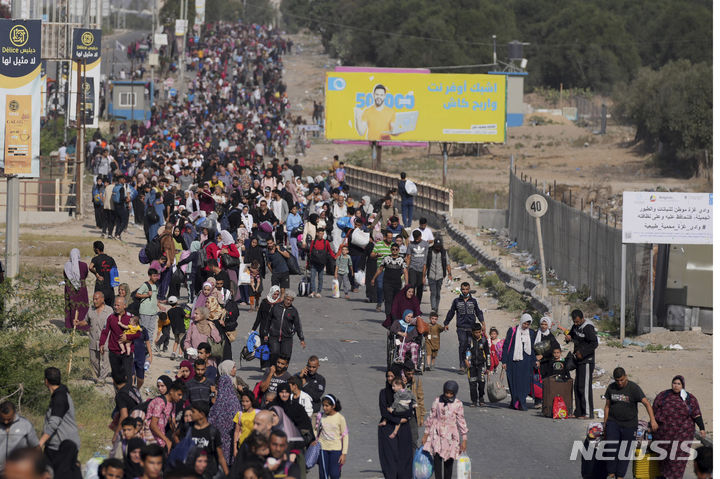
(463, 467)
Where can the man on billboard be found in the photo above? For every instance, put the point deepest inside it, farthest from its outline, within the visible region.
(377, 121)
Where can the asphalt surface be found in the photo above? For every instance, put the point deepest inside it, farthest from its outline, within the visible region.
(115, 60)
(347, 337)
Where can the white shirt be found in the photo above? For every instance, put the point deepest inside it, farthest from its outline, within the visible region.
(427, 234)
(306, 401)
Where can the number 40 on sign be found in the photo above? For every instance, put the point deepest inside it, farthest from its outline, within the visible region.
(536, 206)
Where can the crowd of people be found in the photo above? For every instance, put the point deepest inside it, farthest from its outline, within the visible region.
(221, 222)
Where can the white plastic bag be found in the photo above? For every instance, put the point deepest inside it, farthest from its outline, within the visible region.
(360, 277)
(360, 238)
(463, 467)
(336, 288)
(410, 188)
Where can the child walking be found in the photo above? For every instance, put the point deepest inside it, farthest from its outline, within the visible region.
(432, 343)
(343, 270)
(332, 432)
(477, 362)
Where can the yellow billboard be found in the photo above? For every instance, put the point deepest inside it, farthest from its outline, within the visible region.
(376, 106)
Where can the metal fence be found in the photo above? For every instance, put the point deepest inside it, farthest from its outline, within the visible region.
(583, 251)
(429, 200)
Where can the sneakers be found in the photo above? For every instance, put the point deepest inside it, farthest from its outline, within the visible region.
(173, 355)
(378, 308)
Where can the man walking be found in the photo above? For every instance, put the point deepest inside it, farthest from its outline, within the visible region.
(407, 201)
(278, 267)
(16, 432)
(621, 421)
(436, 267)
(312, 382)
(96, 320)
(123, 194)
(466, 308)
(584, 338)
(60, 438)
(416, 262)
(147, 293)
(120, 364)
(100, 266)
(284, 323)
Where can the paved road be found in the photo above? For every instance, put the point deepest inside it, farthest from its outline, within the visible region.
(114, 60)
(501, 443)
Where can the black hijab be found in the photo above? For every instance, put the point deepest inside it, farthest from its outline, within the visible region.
(396, 369)
(132, 469)
(293, 409)
(451, 386)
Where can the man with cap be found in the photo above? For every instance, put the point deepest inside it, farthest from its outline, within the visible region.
(518, 358)
(467, 310)
(585, 341)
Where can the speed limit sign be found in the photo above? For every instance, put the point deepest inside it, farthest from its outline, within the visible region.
(536, 205)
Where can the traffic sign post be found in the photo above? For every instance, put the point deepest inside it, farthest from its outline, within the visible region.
(536, 206)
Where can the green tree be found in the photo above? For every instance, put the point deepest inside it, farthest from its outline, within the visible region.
(671, 109)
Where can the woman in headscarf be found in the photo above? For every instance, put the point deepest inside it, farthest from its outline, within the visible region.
(405, 299)
(218, 316)
(367, 208)
(396, 454)
(76, 293)
(255, 253)
(208, 289)
(222, 413)
(296, 413)
(544, 344)
(179, 241)
(225, 245)
(518, 358)
(133, 465)
(677, 412)
(406, 328)
(201, 329)
(262, 319)
(186, 371)
(193, 270)
(446, 431)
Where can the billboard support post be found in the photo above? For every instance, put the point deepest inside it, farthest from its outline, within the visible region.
(376, 155)
(80, 143)
(445, 161)
(12, 227)
(623, 273)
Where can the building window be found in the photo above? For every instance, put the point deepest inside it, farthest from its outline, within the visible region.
(127, 100)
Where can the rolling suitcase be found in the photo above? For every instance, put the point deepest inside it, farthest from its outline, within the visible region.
(551, 388)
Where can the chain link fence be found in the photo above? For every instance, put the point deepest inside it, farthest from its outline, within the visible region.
(586, 253)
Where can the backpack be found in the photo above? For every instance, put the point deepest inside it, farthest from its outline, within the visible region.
(318, 257)
(116, 194)
(153, 250)
(134, 307)
(114, 277)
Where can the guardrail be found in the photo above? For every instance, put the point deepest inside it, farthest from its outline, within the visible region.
(430, 198)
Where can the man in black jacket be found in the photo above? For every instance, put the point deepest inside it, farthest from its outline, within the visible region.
(584, 338)
(284, 323)
(467, 309)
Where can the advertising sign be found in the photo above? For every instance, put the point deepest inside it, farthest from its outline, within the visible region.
(180, 27)
(86, 49)
(377, 106)
(86, 45)
(18, 135)
(20, 97)
(667, 218)
(199, 12)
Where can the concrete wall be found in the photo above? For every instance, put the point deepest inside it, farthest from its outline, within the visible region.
(38, 217)
(476, 218)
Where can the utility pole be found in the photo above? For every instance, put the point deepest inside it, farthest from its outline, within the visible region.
(494, 38)
(80, 143)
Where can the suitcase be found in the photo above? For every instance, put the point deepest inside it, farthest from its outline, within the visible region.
(644, 467)
(551, 388)
(304, 287)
